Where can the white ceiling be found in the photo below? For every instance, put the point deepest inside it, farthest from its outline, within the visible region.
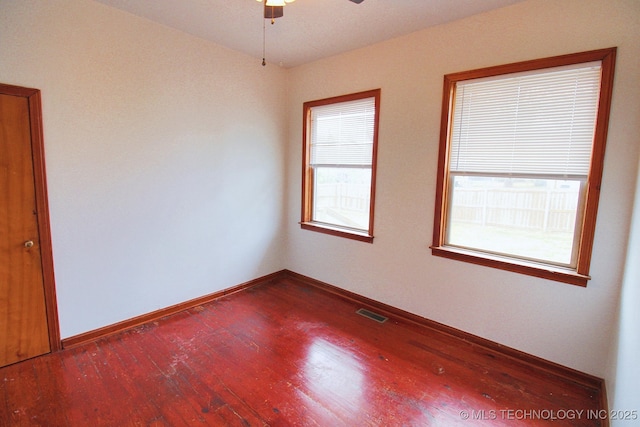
(310, 29)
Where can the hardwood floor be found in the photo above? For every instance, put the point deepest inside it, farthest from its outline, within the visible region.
(287, 353)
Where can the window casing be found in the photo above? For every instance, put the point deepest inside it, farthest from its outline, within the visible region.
(520, 164)
(339, 164)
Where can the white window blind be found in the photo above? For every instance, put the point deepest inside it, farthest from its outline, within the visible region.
(342, 134)
(539, 123)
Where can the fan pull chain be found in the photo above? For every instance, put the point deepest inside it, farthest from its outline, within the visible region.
(264, 43)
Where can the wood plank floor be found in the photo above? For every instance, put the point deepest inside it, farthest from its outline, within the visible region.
(285, 353)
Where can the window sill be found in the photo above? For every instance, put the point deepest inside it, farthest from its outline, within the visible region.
(543, 271)
(348, 233)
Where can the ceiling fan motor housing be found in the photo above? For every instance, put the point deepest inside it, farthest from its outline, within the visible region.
(273, 12)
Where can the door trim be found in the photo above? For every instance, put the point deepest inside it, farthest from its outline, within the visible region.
(42, 206)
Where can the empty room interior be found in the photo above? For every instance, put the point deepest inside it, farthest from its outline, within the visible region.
(197, 266)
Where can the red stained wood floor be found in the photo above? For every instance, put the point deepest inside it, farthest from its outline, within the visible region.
(285, 353)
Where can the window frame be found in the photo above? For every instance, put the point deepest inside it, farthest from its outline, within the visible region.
(308, 190)
(575, 276)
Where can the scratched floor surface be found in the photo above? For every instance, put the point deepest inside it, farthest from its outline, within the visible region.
(286, 354)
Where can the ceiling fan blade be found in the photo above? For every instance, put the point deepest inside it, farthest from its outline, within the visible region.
(357, 1)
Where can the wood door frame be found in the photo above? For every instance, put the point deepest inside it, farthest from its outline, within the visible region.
(42, 206)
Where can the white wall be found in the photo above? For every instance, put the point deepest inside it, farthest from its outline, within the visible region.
(164, 157)
(563, 323)
(623, 382)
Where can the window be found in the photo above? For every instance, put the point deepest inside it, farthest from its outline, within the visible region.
(339, 164)
(520, 164)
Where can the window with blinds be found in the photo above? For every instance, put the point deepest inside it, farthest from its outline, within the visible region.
(521, 155)
(339, 164)
(342, 134)
(538, 123)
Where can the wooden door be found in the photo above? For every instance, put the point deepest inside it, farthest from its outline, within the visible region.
(24, 323)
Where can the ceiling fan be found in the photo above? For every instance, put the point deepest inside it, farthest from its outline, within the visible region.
(275, 8)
